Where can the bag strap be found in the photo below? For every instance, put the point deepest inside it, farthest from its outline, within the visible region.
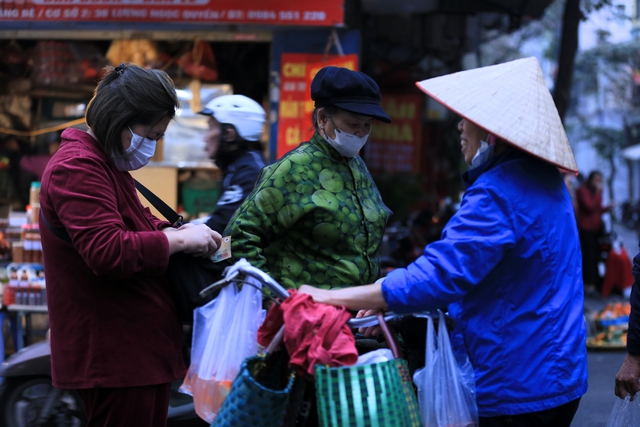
(389, 336)
(172, 216)
(60, 233)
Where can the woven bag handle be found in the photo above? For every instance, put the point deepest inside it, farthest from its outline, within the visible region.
(390, 337)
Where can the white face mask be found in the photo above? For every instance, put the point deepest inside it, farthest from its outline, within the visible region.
(483, 154)
(347, 144)
(137, 155)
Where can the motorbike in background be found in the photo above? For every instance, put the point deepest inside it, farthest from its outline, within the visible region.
(404, 241)
(28, 399)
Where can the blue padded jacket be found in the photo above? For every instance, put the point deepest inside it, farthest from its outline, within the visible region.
(509, 269)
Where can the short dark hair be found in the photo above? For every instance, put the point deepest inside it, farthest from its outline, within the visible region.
(129, 95)
(593, 175)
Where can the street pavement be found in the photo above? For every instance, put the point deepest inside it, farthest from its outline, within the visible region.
(596, 405)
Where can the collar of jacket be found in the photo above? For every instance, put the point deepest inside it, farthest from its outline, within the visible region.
(224, 159)
(470, 176)
(84, 138)
(324, 146)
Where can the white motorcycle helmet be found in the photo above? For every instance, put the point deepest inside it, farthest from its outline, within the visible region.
(245, 114)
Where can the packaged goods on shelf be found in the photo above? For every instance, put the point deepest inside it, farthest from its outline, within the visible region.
(32, 245)
(26, 286)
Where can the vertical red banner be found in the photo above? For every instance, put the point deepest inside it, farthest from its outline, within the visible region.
(296, 107)
(395, 147)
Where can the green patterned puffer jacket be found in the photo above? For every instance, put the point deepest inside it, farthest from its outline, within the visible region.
(314, 217)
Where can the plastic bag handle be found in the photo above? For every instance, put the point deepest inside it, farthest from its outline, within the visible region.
(390, 337)
(276, 341)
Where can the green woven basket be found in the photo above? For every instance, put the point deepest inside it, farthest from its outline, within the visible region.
(250, 402)
(409, 393)
(372, 395)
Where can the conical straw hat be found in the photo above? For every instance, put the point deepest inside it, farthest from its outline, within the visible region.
(512, 102)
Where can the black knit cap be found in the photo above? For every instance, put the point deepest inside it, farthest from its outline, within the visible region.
(349, 90)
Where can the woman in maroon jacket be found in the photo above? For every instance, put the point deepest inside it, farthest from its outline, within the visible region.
(590, 227)
(115, 335)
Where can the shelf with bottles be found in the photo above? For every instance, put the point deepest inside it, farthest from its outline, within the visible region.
(29, 248)
(26, 285)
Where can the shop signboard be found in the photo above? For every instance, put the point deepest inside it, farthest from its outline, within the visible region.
(295, 107)
(251, 12)
(395, 147)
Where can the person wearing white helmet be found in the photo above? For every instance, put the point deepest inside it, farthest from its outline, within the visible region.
(233, 143)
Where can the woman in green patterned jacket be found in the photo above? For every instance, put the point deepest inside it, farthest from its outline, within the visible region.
(315, 216)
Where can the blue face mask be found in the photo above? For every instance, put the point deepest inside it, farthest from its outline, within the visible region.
(137, 155)
(483, 154)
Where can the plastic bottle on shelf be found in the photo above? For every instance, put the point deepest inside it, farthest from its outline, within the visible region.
(36, 244)
(26, 243)
(11, 289)
(22, 295)
(41, 295)
(32, 254)
(34, 201)
(31, 295)
(13, 279)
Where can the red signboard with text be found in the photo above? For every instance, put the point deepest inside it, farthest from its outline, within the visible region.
(395, 147)
(255, 12)
(295, 109)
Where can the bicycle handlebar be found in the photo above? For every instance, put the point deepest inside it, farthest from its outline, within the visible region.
(280, 292)
(266, 280)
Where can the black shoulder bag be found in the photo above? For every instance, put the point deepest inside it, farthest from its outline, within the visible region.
(188, 275)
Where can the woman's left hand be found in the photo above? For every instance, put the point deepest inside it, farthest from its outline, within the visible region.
(627, 378)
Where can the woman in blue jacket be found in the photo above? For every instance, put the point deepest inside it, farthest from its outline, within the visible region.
(508, 265)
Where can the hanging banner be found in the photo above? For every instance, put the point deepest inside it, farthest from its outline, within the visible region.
(395, 147)
(296, 107)
(256, 12)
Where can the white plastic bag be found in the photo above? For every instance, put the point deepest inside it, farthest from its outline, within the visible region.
(625, 413)
(446, 388)
(224, 334)
(377, 356)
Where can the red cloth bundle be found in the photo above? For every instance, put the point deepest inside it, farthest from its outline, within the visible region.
(314, 333)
